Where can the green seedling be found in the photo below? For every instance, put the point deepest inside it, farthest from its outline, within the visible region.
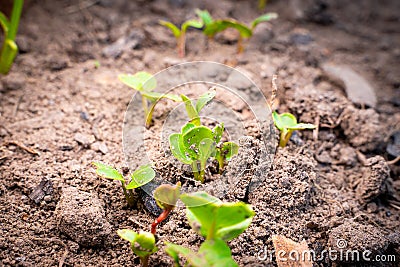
(262, 4)
(212, 27)
(143, 244)
(141, 176)
(193, 110)
(180, 34)
(10, 27)
(287, 123)
(145, 83)
(218, 222)
(225, 153)
(166, 197)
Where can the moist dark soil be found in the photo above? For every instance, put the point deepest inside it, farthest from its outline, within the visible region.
(62, 107)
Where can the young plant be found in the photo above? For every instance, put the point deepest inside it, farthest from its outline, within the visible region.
(166, 197)
(212, 27)
(145, 83)
(10, 27)
(180, 34)
(193, 110)
(143, 244)
(287, 123)
(218, 222)
(139, 177)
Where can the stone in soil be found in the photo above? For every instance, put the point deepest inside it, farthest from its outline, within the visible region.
(80, 216)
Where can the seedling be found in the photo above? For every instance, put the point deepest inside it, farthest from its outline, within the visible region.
(10, 27)
(145, 83)
(143, 244)
(180, 34)
(225, 153)
(287, 123)
(193, 110)
(262, 4)
(166, 197)
(139, 177)
(218, 222)
(212, 27)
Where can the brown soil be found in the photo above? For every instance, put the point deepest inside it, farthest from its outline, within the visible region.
(324, 186)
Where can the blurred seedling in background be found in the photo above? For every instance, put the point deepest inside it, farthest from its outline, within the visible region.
(180, 34)
(287, 123)
(141, 176)
(218, 222)
(262, 4)
(10, 28)
(143, 244)
(145, 83)
(212, 27)
(166, 197)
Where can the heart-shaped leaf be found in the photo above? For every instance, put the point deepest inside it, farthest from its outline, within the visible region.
(108, 172)
(167, 195)
(141, 176)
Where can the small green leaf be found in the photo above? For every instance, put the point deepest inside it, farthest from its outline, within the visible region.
(217, 132)
(155, 96)
(178, 149)
(143, 175)
(206, 150)
(220, 25)
(192, 258)
(142, 244)
(191, 23)
(192, 139)
(284, 120)
(205, 16)
(217, 253)
(191, 110)
(167, 195)
(175, 30)
(204, 99)
(229, 149)
(140, 81)
(108, 172)
(263, 18)
(187, 127)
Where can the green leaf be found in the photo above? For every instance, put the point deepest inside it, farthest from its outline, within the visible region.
(206, 150)
(187, 127)
(284, 120)
(217, 132)
(155, 96)
(142, 244)
(204, 99)
(229, 149)
(221, 25)
(192, 258)
(140, 81)
(143, 175)
(167, 195)
(192, 139)
(205, 16)
(217, 253)
(108, 172)
(191, 23)
(175, 30)
(191, 110)
(178, 149)
(263, 18)
(228, 220)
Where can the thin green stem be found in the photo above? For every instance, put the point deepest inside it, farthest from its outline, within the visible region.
(196, 172)
(211, 232)
(144, 261)
(149, 114)
(181, 40)
(14, 20)
(128, 195)
(285, 136)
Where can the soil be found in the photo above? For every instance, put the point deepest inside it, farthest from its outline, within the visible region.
(62, 107)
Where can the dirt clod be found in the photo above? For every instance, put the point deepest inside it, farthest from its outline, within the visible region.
(80, 216)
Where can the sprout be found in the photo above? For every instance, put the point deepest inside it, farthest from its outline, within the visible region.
(143, 175)
(212, 27)
(143, 244)
(166, 197)
(10, 27)
(218, 222)
(287, 123)
(180, 34)
(145, 83)
(193, 110)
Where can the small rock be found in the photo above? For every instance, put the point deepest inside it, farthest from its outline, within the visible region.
(13, 81)
(132, 41)
(23, 44)
(358, 90)
(100, 147)
(301, 38)
(81, 217)
(375, 180)
(43, 190)
(84, 139)
(56, 63)
(393, 148)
